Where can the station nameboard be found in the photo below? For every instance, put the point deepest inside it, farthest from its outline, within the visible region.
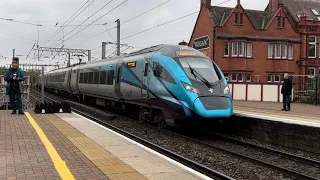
(201, 43)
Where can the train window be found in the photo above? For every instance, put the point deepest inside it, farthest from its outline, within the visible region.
(103, 77)
(81, 78)
(96, 77)
(90, 79)
(146, 69)
(110, 77)
(160, 72)
(85, 79)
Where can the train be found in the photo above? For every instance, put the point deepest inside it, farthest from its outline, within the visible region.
(164, 84)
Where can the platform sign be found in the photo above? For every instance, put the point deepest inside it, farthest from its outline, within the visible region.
(201, 43)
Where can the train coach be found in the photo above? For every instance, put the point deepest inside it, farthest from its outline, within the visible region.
(164, 84)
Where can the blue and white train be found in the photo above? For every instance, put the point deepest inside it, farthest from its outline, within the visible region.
(164, 83)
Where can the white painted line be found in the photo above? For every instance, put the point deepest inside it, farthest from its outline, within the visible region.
(285, 120)
(200, 175)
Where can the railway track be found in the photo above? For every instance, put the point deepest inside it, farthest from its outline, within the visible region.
(192, 164)
(292, 165)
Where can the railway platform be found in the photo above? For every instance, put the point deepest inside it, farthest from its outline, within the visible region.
(69, 146)
(302, 114)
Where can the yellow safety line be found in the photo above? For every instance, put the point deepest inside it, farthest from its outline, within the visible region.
(59, 164)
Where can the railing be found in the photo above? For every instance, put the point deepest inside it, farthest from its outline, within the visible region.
(4, 99)
(307, 89)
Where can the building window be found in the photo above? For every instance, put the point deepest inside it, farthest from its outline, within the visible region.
(248, 78)
(227, 77)
(290, 52)
(281, 22)
(226, 49)
(233, 77)
(278, 51)
(270, 50)
(234, 48)
(240, 77)
(311, 71)
(241, 49)
(312, 47)
(269, 78)
(249, 49)
(276, 78)
(284, 51)
(236, 18)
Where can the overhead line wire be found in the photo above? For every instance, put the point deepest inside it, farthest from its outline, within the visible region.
(167, 22)
(124, 23)
(159, 25)
(55, 33)
(86, 20)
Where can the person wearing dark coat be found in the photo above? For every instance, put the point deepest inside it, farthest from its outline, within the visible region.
(286, 92)
(14, 78)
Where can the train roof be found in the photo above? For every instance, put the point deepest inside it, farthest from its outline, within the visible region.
(168, 49)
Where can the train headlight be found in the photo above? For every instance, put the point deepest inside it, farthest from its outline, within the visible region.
(226, 90)
(190, 88)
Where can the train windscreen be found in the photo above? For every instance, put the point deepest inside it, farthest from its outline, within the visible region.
(200, 69)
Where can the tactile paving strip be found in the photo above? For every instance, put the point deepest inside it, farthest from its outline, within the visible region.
(109, 164)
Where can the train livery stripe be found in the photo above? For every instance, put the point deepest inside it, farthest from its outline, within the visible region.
(129, 77)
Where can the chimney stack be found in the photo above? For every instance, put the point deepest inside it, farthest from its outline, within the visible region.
(206, 3)
(274, 5)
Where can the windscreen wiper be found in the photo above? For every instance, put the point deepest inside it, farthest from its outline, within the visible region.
(204, 80)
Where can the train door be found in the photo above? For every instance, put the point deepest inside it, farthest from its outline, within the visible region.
(118, 79)
(73, 81)
(77, 76)
(69, 80)
(145, 81)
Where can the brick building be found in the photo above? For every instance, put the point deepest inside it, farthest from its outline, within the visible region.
(260, 46)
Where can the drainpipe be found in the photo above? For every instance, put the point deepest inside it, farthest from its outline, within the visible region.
(213, 42)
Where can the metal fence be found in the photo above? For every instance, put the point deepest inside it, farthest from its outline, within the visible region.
(306, 89)
(4, 99)
(28, 85)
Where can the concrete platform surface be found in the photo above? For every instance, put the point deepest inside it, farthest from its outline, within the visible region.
(303, 114)
(35, 149)
(67, 146)
(149, 164)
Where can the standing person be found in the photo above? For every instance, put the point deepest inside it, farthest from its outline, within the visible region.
(286, 91)
(14, 76)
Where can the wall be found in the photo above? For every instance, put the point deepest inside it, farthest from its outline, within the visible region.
(256, 92)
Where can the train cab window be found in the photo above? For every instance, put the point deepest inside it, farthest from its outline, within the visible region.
(146, 69)
(103, 77)
(160, 72)
(81, 78)
(85, 79)
(96, 77)
(110, 77)
(90, 79)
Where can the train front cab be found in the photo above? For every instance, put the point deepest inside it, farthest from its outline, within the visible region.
(206, 90)
(198, 91)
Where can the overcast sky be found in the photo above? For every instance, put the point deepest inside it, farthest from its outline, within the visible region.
(48, 12)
